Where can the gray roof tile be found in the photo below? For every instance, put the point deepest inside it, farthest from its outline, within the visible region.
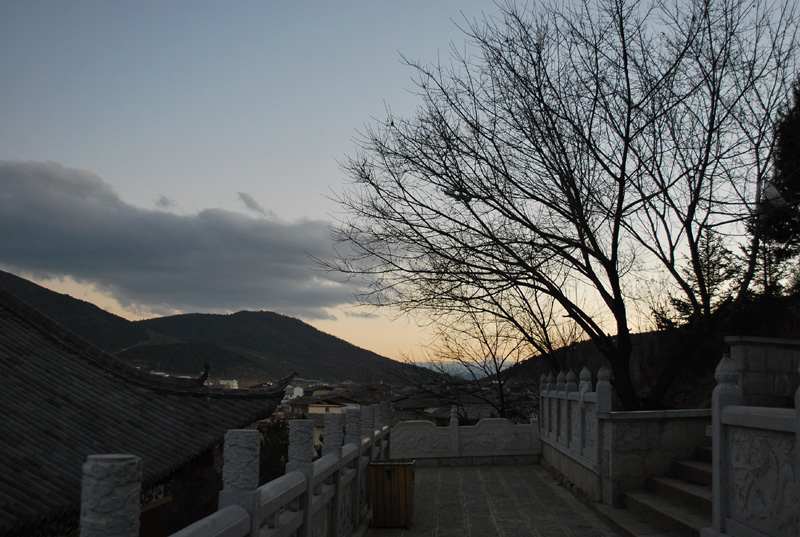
(61, 399)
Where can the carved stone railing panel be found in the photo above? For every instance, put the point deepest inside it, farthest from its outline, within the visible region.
(420, 437)
(763, 492)
(489, 438)
(571, 409)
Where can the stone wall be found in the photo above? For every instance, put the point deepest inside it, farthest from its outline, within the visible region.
(636, 445)
(491, 441)
(768, 369)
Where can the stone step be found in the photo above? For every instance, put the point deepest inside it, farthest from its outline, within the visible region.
(666, 515)
(698, 472)
(703, 453)
(691, 495)
(627, 523)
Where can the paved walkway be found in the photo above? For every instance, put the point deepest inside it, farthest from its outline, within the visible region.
(481, 501)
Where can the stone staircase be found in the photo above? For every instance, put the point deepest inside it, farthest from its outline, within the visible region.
(678, 504)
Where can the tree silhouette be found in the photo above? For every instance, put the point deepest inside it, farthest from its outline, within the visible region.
(779, 220)
(575, 154)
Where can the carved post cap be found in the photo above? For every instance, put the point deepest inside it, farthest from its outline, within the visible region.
(585, 375)
(727, 390)
(551, 382)
(110, 490)
(572, 384)
(301, 441)
(604, 374)
(603, 390)
(561, 381)
(333, 434)
(241, 455)
(726, 372)
(543, 382)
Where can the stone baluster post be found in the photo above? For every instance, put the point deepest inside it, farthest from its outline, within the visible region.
(571, 388)
(551, 406)
(726, 393)
(543, 412)
(242, 453)
(301, 452)
(352, 426)
(602, 408)
(561, 405)
(368, 429)
(584, 387)
(455, 440)
(110, 490)
(797, 438)
(377, 417)
(353, 436)
(333, 434)
(603, 390)
(386, 412)
(332, 445)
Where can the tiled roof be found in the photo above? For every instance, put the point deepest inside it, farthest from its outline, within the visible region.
(61, 399)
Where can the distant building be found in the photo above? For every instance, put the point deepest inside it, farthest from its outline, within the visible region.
(230, 384)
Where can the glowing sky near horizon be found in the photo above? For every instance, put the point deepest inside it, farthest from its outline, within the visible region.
(162, 157)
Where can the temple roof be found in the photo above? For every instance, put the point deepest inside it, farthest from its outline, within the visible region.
(63, 399)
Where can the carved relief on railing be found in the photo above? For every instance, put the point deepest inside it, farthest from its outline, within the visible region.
(590, 438)
(319, 522)
(420, 437)
(494, 436)
(763, 491)
(346, 509)
(241, 455)
(110, 495)
(575, 424)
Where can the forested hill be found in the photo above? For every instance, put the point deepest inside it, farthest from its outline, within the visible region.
(103, 329)
(279, 339)
(247, 346)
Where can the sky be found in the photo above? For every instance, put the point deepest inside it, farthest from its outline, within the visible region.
(166, 157)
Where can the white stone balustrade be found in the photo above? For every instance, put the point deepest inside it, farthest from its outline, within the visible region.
(491, 441)
(755, 463)
(569, 413)
(327, 497)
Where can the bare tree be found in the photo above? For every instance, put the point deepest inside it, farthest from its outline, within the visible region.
(573, 153)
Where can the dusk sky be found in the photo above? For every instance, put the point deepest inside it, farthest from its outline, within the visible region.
(165, 157)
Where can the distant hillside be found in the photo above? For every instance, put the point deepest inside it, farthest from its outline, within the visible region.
(279, 339)
(248, 346)
(105, 330)
(190, 358)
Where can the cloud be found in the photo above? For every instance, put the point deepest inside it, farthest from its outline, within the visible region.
(163, 202)
(251, 203)
(60, 222)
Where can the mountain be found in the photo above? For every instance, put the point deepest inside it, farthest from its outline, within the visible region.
(281, 340)
(103, 329)
(248, 346)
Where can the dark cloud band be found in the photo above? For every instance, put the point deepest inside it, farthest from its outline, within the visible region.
(56, 221)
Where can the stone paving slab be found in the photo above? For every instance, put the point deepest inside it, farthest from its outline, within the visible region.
(480, 501)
